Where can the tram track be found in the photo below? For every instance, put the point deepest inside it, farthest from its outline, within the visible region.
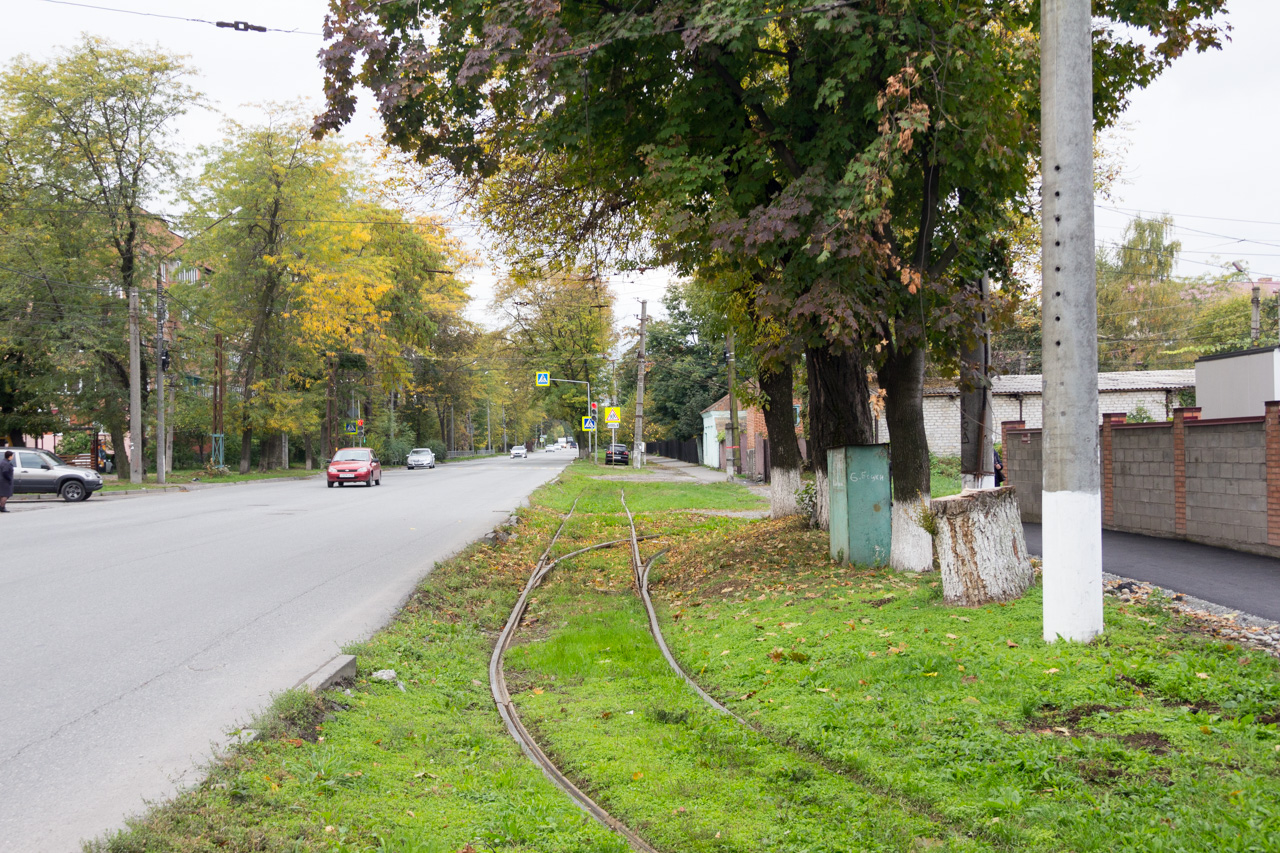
(511, 717)
(640, 572)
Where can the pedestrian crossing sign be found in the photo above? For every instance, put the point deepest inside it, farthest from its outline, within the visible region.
(588, 424)
(543, 378)
(613, 415)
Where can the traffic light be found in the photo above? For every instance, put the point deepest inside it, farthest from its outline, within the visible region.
(360, 422)
(594, 407)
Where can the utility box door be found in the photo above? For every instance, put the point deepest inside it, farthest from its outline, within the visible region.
(861, 517)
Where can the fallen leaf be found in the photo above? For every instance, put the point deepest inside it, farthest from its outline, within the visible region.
(931, 675)
(823, 689)
(1051, 671)
(637, 776)
(972, 700)
(1202, 675)
(606, 715)
(960, 667)
(538, 691)
(952, 637)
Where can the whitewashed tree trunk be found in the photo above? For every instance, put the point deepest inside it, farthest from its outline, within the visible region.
(783, 485)
(912, 545)
(821, 501)
(980, 547)
(284, 450)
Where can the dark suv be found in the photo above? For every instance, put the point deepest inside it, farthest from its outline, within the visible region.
(40, 472)
(617, 454)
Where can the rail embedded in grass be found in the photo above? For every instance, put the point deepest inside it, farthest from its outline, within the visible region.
(502, 698)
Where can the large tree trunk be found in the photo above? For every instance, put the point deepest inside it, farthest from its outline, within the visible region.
(268, 452)
(117, 444)
(246, 448)
(902, 379)
(310, 457)
(839, 414)
(784, 451)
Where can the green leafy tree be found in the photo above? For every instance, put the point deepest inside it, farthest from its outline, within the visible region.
(853, 160)
(87, 145)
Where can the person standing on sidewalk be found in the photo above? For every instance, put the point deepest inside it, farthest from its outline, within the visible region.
(6, 479)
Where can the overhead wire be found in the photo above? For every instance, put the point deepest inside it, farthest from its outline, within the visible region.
(238, 26)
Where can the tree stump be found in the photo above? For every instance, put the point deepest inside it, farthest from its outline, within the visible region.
(980, 548)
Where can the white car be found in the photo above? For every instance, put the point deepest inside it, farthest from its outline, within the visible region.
(519, 452)
(420, 457)
(551, 448)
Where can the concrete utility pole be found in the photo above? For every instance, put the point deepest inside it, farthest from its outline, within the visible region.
(135, 390)
(161, 456)
(217, 442)
(637, 455)
(1072, 506)
(731, 437)
(1255, 325)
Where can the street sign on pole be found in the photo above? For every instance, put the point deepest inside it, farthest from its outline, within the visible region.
(613, 416)
(588, 424)
(543, 378)
(350, 427)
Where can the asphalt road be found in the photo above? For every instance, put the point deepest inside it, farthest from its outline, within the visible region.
(1247, 582)
(138, 631)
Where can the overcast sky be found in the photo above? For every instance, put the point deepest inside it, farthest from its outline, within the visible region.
(1200, 142)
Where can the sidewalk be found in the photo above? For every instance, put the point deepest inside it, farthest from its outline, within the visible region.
(697, 472)
(1248, 583)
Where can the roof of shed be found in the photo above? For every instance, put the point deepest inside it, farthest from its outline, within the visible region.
(1033, 383)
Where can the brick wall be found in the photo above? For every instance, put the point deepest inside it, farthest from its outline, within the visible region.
(1142, 478)
(1226, 468)
(1216, 481)
(1022, 466)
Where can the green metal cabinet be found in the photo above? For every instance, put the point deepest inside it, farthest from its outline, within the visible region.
(860, 503)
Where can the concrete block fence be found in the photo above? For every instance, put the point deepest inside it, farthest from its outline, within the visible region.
(1211, 481)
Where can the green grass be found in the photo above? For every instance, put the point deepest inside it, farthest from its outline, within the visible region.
(186, 477)
(602, 699)
(1151, 738)
(881, 719)
(602, 496)
(944, 476)
(427, 770)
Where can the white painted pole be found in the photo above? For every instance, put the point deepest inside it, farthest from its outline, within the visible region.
(1072, 505)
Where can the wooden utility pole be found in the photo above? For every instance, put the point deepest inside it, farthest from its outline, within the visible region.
(637, 454)
(977, 460)
(1072, 508)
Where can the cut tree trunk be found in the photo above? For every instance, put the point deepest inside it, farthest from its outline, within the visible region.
(981, 551)
(777, 387)
(902, 378)
(839, 414)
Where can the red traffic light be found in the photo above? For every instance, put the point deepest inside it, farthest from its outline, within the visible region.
(593, 407)
(360, 422)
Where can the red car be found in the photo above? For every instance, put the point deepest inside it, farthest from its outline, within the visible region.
(355, 465)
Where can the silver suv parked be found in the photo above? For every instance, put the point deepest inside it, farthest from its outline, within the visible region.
(40, 472)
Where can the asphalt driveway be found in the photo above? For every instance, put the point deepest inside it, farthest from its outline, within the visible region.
(1246, 582)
